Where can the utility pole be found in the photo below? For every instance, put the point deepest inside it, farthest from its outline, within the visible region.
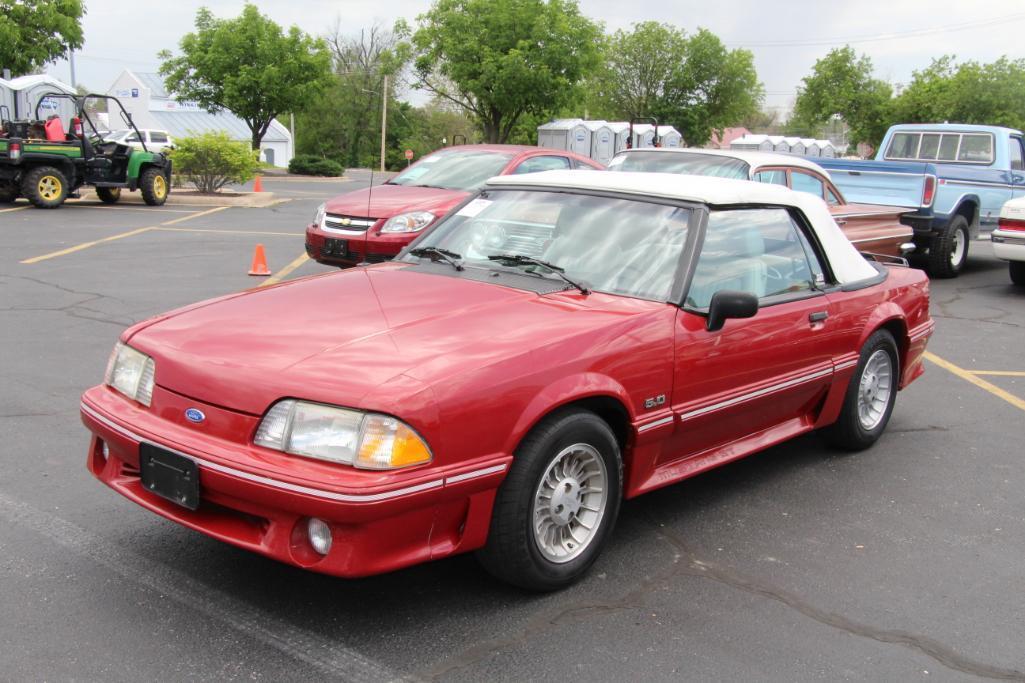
(291, 126)
(384, 116)
(71, 63)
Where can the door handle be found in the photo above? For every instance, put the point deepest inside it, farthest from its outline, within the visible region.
(817, 317)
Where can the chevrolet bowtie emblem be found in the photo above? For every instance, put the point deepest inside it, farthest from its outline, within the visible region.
(346, 221)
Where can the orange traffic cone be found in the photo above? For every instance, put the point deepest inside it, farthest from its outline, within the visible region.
(258, 184)
(259, 266)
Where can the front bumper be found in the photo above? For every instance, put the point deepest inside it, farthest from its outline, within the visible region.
(350, 248)
(1009, 245)
(403, 519)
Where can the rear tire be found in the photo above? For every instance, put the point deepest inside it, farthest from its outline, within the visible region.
(558, 505)
(948, 251)
(45, 187)
(153, 184)
(870, 396)
(1017, 270)
(108, 195)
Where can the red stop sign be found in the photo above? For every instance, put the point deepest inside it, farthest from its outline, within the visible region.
(409, 154)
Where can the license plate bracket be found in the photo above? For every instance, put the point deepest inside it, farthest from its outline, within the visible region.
(336, 247)
(169, 475)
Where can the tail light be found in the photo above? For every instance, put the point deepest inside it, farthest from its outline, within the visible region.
(1015, 224)
(929, 191)
(14, 151)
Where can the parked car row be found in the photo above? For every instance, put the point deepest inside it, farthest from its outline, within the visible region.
(542, 347)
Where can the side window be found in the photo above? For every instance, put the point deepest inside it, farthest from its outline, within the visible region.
(132, 138)
(773, 177)
(1014, 147)
(157, 136)
(805, 182)
(542, 163)
(833, 196)
(761, 251)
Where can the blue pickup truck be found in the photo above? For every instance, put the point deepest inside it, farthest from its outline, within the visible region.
(954, 176)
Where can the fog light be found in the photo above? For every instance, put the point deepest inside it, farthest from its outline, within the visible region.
(320, 535)
(105, 450)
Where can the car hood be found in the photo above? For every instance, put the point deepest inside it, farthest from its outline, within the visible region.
(347, 337)
(385, 201)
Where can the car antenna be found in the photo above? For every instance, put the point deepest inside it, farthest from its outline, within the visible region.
(366, 233)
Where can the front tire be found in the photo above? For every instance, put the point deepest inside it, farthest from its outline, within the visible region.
(948, 251)
(870, 396)
(108, 195)
(153, 185)
(558, 505)
(45, 187)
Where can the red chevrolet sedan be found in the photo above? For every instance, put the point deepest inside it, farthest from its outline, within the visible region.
(374, 224)
(560, 342)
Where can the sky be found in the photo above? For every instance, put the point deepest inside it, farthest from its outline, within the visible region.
(786, 37)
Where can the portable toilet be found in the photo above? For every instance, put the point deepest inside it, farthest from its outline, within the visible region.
(753, 142)
(644, 135)
(826, 149)
(568, 134)
(620, 132)
(797, 146)
(779, 143)
(812, 149)
(603, 142)
(6, 99)
(27, 93)
(669, 137)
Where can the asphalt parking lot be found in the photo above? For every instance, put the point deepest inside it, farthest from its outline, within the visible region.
(903, 562)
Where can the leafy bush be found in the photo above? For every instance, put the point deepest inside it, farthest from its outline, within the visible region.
(308, 164)
(212, 160)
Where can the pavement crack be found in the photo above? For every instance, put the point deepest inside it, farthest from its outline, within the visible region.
(939, 652)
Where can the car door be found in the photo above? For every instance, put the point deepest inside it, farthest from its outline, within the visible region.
(756, 378)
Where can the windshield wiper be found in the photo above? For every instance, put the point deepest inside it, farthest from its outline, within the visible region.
(520, 259)
(439, 254)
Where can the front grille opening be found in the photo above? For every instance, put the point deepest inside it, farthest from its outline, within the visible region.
(334, 221)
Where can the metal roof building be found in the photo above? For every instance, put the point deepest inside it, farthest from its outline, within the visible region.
(151, 106)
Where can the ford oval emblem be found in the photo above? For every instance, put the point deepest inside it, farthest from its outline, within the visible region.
(194, 415)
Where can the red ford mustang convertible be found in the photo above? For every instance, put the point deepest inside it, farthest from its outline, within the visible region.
(558, 343)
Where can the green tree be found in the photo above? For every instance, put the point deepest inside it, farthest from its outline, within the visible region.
(971, 92)
(34, 32)
(841, 83)
(499, 60)
(691, 82)
(248, 66)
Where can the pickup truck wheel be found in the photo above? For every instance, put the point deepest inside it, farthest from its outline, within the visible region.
(153, 184)
(1017, 269)
(949, 250)
(557, 507)
(108, 195)
(870, 396)
(45, 187)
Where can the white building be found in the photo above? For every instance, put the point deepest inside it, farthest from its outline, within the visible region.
(151, 106)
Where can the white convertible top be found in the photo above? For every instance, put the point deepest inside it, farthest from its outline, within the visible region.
(848, 265)
(754, 159)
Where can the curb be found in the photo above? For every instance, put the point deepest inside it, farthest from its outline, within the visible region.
(253, 200)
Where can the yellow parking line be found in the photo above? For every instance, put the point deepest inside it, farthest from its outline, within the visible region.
(196, 215)
(981, 383)
(1000, 373)
(84, 245)
(233, 232)
(17, 208)
(284, 272)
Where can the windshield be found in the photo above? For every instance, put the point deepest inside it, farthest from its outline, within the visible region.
(456, 170)
(618, 246)
(686, 163)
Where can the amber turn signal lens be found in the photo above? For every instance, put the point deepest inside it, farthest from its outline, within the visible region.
(388, 443)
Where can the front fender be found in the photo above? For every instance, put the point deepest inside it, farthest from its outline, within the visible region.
(562, 392)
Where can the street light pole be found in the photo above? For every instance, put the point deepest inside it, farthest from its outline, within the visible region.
(384, 117)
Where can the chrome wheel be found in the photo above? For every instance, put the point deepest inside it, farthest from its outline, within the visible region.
(569, 503)
(957, 248)
(874, 389)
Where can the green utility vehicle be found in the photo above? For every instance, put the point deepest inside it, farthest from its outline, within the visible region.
(45, 164)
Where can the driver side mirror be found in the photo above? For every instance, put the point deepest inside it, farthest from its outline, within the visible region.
(730, 304)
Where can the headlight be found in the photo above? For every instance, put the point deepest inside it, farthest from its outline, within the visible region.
(318, 219)
(131, 373)
(409, 222)
(365, 440)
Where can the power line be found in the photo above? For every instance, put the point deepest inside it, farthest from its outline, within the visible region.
(897, 35)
